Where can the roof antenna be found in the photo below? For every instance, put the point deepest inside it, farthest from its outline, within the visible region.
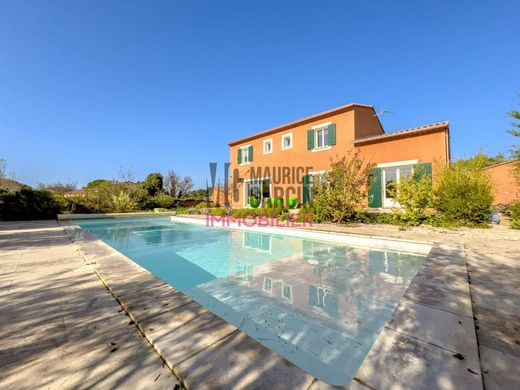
(384, 112)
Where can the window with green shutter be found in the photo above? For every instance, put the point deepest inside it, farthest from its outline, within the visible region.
(332, 134)
(310, 139)
(374, 188)
(245, 154)
(306, 190)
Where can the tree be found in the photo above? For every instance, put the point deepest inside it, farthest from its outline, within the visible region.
(171, 183)
(153, 183)
(59, 188)
(516, 132)
(176, 186)
(3, 168)
(97, 183)
(341, 191)
(185, 186)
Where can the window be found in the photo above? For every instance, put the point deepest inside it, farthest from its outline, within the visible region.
(244, 153)
(268, 285)
(268, 146)
(322, 138)
(391, 178)
(287, 141)
(287, 292)
(260, 189)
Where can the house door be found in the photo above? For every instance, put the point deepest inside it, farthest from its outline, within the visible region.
(391, 177)
(390, 187)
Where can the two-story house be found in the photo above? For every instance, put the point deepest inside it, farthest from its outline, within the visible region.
(282, 161)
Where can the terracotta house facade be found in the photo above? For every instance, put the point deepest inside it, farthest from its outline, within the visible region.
(507, 189)
(283, 161)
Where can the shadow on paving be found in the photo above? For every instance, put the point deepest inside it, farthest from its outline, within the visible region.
(61, 328)
(494, 270)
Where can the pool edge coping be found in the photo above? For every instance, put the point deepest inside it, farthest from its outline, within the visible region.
(449, 252)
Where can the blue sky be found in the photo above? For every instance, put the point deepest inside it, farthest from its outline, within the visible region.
(88, 86)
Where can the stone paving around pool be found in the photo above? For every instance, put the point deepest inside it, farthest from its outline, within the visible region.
(60, 328)
(429, 343)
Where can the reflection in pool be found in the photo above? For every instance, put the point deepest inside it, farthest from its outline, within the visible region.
(319, 305)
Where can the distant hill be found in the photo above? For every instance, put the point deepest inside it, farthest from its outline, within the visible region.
(10, 184)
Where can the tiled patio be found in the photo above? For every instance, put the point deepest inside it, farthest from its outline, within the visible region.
(61, 328)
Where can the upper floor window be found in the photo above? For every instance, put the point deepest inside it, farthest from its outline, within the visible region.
(287, 141)
(245, 154)
(322, 138)
(268, 146)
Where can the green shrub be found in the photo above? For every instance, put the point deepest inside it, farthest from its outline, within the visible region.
(28, 204)
(413, 193)
(376, 218)
(463, 193)
(162, 200)
(341, 192)
(121, 203)
(79, 204)
(219, 212)
(514, 209)
(202, 205)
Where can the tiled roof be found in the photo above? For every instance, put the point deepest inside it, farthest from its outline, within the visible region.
(403, 133)
(300, 122)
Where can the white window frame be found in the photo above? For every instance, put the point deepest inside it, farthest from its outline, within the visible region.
(246, 148)
(291, 298)
(260, 179)
(266, 141)
(311, 183)
(398, 165)
(290, 135)
(270, 291)
(320, 127)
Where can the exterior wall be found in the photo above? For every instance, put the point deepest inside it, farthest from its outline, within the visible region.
(424, 148)
(367, 123)
(298, 156)
(507, 189)
(356, 122)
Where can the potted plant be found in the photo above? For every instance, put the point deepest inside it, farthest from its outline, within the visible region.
(292, 202)
(253, 202)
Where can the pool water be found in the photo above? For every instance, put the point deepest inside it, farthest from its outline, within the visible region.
(319, 305)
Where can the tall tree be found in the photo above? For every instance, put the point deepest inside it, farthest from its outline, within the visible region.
(177, 186)
(185, 186)
(516, 132)
(171, 183)
(3, 168)
(153, 183)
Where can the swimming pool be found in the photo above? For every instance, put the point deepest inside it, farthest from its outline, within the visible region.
(320, 305)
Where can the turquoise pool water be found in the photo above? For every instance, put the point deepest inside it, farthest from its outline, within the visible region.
(319, 305)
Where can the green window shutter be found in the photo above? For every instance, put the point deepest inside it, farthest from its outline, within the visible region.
(239, 159)
(251, 153)
(310, 139)
(306, 189)
(374, 188)
(332, 134)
